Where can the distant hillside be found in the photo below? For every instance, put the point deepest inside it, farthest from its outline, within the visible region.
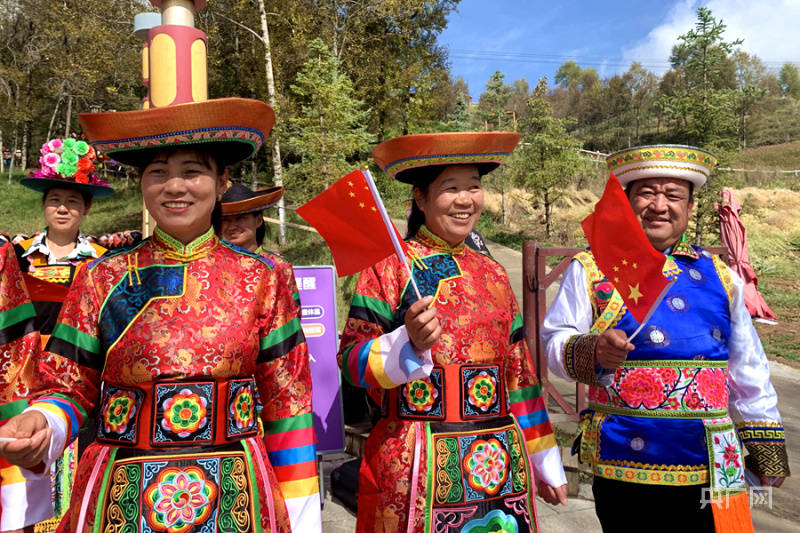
(770, 157)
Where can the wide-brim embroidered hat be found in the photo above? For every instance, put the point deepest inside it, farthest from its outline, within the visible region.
(239, 199)
(662, 161)
(403, 157)
(232, 129)
(67, 164)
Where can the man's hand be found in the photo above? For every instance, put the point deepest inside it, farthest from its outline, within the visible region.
(771, 481)
(553, 496)
(33, 439)
(612, 349)
(422, 325)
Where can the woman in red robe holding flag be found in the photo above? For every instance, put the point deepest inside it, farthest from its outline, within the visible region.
(464, 435)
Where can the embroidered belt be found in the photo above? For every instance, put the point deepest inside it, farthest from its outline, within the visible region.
(171, 414)
(452, 393)
(665, 389)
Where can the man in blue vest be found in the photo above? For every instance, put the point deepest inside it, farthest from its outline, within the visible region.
(664, 447)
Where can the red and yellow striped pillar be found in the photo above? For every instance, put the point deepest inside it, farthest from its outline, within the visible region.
(176, 55)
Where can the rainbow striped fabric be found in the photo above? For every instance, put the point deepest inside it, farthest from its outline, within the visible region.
(385, 362)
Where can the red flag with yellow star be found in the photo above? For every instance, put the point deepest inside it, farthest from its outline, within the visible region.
(623, 252)
(349, 219)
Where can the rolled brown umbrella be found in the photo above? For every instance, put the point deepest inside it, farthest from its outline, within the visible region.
(734, 237)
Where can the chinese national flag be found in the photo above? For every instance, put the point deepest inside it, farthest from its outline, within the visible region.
(348, 218)
(623, 252)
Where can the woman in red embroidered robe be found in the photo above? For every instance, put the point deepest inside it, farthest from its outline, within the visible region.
(167, 340)
(464, 432)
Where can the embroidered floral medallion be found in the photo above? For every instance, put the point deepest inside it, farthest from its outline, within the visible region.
(420, 395)
(184, 413)
(486, 464)
(481, 391)
(120, 409)
(178, 499)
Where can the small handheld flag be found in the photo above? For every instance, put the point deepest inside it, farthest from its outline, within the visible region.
(350, 216)
(624, 254)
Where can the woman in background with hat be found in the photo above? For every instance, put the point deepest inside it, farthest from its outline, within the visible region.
(464, 425)
(169, 339)
(68, 185)
(242, 219)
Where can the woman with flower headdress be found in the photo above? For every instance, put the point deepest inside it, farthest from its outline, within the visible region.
(48, 263)
(465, 439)
(68, 185)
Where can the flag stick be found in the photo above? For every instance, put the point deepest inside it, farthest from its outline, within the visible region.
(390, 228)
(664, 291)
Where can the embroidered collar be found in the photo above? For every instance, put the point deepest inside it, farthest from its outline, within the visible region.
(175, 249)
(684, 249)
(83, 249)
(426, 237)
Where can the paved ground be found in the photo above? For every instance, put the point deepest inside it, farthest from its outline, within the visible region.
(578, 515)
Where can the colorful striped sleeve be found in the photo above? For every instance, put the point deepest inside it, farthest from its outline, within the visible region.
(291, 447)
(19, 339)
(69, 368)
(375, 351)
(284, 381)
(528, 407)
(385, 362)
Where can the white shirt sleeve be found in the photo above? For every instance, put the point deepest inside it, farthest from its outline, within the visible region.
(570, 314)
(752, 397)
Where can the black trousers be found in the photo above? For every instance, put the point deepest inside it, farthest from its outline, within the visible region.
(631, 507)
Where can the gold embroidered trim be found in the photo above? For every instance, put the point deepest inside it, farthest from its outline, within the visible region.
(674, 475)
(675, 167)
(426, 237)
(675, 363)
(724, 276)
(767, 459)
(578, 357)
(657, 413)
(176, 250)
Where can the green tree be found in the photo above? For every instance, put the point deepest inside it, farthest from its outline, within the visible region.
(643, 87)
(329, 135)
(568, 74)
(518, 101)
(548, 157)
(751, 89)
(705, 95)
(494, 103)
(460, 119)
(789, 79)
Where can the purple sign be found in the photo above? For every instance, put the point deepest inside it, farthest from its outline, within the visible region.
(317, 286)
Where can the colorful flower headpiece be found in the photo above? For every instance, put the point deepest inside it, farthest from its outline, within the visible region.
(68, 159)
(67, 162)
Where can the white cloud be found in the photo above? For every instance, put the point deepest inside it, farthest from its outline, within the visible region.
(769, 29)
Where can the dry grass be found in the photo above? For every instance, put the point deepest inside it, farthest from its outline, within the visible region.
(778, 156)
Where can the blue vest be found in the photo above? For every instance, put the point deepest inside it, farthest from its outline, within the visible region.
(691, 323)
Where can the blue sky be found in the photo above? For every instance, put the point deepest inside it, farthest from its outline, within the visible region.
(531, 38)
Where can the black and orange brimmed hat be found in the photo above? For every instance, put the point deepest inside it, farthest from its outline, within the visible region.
(239, 199)
(231, 129)
(410, 157)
